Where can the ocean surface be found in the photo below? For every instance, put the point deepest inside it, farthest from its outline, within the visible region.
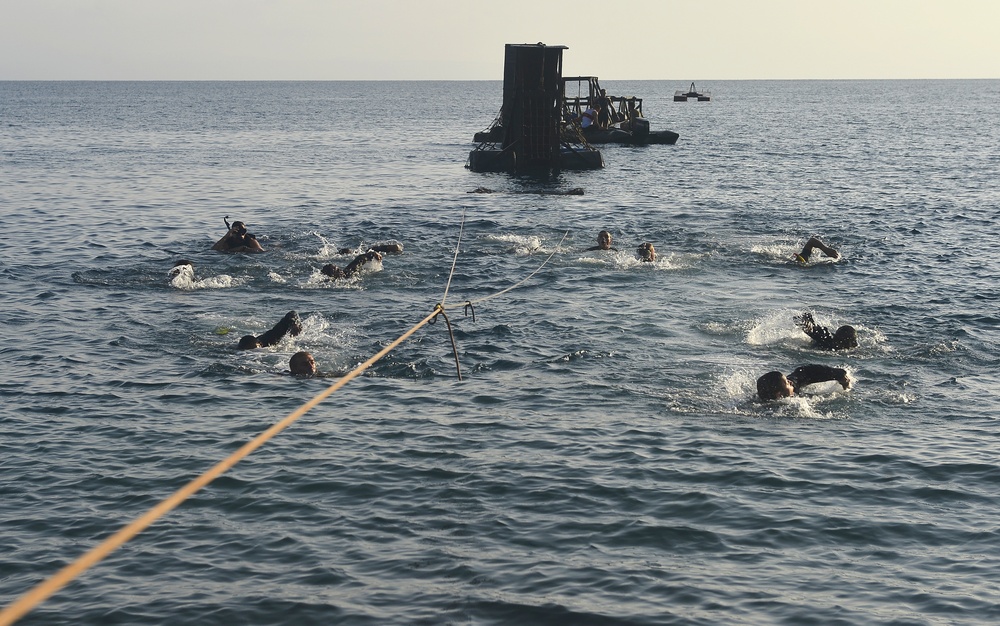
(604, 459)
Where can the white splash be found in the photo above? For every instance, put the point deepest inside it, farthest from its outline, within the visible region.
(182, 277)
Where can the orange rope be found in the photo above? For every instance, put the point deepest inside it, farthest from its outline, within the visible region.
(60, 579)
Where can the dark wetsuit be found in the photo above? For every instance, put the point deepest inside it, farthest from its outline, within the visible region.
(236, 242)
(822, 337)
(289, 325)
(809, 374)
(333, 271)
(393, 248)
(604, 114)
(845, 338)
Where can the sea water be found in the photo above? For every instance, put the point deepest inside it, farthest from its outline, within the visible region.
(603, 459)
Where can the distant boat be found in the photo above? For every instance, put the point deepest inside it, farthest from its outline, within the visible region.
(681, 96)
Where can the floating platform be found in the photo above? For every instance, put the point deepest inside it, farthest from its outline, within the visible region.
(638, 134)
(620, 118)
(497, 160)
(527, 135)
(692, 93)
(624, 120)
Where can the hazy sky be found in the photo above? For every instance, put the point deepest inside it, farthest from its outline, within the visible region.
(463, 39)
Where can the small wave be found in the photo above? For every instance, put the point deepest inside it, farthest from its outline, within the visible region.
(944, 347)
(521, 244)
(327, 249)
(776, 327)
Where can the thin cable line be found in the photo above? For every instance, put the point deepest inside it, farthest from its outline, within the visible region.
(518, 284)
(454, 261)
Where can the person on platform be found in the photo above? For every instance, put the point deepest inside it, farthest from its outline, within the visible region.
(845, 337)
(288, 325)
(775, 385)
(633, 114)
(605, 107)
(237, 239)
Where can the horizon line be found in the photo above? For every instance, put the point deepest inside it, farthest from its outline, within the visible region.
(440, 80)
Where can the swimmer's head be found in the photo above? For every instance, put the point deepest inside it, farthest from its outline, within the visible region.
(333, 271)
(302, 364)
(774, 385)
(604, 240)
(248, 342)
(845, 337)
(180, 267)
(239, 228)
(647, 252)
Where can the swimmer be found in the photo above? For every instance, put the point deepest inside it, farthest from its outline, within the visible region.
(289, 325)
(845, 338)
(181, 276)
(333, 271)
(814, 242)
(237, 239)
(647, 253)
(774, 385)
(390, 248)
(302, 364)
(181, 268)
(603, 242)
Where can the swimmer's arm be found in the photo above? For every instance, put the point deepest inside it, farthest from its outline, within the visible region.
(819, 334)
(814, 242)
(394, 248)
(360, 260)
(811, 374)
(252, 245)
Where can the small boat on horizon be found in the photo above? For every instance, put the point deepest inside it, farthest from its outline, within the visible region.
(684, 96)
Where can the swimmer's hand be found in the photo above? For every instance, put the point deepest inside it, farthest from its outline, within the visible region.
(805, 321)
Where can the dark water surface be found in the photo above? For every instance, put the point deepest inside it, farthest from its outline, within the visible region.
(604, 461)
